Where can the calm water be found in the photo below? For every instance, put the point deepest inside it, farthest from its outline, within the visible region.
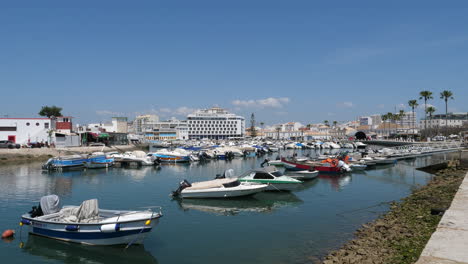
(266, 228)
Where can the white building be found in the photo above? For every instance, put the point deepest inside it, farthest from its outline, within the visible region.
(408, 120)
(434, 123)
(117, 125)
(144, 123)
(215, 123)
(25, 130)
(168, 130)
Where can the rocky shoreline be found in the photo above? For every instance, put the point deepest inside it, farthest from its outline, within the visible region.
(400, 235)
(18, 156)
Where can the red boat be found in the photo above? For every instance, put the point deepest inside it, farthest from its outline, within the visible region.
(329, 167)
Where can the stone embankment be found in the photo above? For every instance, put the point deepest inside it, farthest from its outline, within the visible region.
(12, 156)
(400, 235)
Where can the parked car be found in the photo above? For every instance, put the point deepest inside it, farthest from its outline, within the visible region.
(8, 144)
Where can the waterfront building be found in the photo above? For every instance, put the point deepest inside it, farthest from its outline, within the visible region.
(408, 120)
(144, 123)
(215, 123)
(25, 130)
(167, 130)
(30, 130)
(453, 120)
(372, 120)
(117, 125)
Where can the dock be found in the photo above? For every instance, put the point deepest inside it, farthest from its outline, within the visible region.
(448, 244)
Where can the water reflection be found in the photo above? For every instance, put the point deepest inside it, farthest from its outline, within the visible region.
(74, 253)
(337, 182)
(265, 202)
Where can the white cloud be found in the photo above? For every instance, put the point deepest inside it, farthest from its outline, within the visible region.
(401, 106)
(331, 114)
(421, 106)
(381, 106)
(165, 110)
(345, 104)
(270, 102)
(107, 113)
(183, 110)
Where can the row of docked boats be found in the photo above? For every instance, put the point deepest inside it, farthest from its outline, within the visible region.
(251, 182)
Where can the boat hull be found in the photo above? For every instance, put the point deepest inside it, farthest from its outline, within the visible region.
(223, 193)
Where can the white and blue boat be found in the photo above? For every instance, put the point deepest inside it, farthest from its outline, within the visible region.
(88, 224)
(95, 160)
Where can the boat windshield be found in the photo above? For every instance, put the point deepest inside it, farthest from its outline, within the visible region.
(277, 173)
(231, 184)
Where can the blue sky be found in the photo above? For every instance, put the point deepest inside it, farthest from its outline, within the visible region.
(301, 61)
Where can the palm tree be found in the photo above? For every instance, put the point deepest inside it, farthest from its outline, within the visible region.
(426, 95)
(325, 122)
(401, 114)
(334, 123)
(430, 110)
(413, 104)
(446, 95)
(384, 119)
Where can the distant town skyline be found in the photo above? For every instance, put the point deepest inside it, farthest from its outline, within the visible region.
(303, 61)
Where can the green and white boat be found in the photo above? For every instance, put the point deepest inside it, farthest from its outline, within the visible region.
(270, 175)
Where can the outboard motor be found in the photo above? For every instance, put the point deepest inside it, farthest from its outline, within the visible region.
(264, 162)
(182, 185)
(48, 165)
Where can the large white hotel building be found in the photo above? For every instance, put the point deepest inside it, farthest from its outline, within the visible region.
(215, 123)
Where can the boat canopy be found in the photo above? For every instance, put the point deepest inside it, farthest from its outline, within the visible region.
(50, 204)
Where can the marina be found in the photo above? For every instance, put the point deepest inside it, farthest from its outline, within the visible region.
(310, 219)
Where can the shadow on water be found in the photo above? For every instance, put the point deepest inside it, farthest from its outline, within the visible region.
(265, 202)
(75, 253)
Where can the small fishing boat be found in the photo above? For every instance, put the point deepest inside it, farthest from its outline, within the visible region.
(270, 175)
(326, 166)
(88, 224)
(98, 160)
(175, 156)
(65, 162)
(217, 188)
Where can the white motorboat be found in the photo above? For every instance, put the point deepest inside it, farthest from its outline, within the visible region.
(303, 175)
(88, 224)
(270, 175)
(217, 188)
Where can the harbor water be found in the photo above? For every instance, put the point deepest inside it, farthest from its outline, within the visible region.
(270, 227)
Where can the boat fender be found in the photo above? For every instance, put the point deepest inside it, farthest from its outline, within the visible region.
(109, 228)
(8, 233)
(25, 222)
(72, 227)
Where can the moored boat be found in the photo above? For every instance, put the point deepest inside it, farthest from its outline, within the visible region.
(217, 188)
(88, 224)
(270, 175)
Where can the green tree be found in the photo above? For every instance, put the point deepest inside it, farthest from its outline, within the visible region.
(413, 104)
(326, 122)
(334, 123)
(426, 95)
(446, 95)
(50, 111)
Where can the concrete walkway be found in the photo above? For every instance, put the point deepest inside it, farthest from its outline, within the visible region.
(449, 243)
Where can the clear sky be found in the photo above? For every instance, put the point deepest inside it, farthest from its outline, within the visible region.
(290, 60)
